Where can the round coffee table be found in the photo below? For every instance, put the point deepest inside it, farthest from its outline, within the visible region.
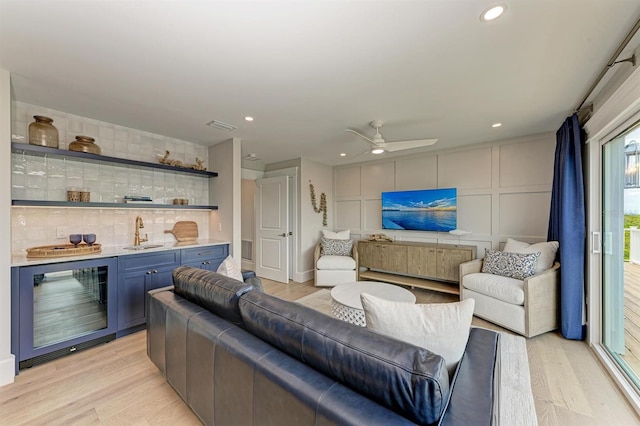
(345, 298)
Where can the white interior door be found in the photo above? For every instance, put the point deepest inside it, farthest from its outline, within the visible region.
(272, 228)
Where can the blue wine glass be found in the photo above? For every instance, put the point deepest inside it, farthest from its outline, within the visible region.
(89, 238)
(75, 239)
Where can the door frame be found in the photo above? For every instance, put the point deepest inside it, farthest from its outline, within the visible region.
(294, 240)
(617, 113)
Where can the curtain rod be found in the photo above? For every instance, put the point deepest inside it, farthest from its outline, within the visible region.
(611, 62)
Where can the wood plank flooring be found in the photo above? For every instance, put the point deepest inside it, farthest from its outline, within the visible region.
(116, 384)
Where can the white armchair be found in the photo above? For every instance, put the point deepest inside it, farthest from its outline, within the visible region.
(334, 270)
(528, 307)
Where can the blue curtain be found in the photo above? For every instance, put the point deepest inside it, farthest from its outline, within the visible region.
(567, 225)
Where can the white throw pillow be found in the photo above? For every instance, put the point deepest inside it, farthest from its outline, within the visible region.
(230, 268)
(341, 235)
(547, 252)
(442, 328)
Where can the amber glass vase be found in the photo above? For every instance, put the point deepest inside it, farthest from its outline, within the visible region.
(84, 144)
(42, 132)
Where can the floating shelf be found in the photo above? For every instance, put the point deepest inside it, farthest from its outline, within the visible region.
(41, 203)
(23, 148)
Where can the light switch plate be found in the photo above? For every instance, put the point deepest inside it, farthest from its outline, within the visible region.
(61, 232)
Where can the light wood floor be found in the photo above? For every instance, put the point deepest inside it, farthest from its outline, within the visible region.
(115, 383)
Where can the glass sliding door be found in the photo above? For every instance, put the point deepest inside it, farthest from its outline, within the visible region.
(621, 251)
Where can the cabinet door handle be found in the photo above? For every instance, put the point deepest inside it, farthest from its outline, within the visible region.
(155, 271)
(148, 272)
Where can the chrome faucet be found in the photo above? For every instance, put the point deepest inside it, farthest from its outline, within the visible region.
(137, 240)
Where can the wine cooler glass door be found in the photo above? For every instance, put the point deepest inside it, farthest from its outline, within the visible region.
(64, 304)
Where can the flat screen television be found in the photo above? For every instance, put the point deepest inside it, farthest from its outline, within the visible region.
(421, 210)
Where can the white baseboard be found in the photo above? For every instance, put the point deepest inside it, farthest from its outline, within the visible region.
(301, 277)
(248, 264)
(7, 370)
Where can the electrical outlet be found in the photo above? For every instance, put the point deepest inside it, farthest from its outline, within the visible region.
(61, 232)
(219, 227)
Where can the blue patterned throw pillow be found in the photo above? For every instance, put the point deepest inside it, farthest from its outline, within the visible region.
(332, 247)
(513, 265)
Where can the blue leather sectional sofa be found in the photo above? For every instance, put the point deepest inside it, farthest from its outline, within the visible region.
(238, 356)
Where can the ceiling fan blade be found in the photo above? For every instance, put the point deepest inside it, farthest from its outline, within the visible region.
(359, 134)
(400, 145)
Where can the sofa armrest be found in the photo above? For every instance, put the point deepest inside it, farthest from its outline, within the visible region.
(541, 297)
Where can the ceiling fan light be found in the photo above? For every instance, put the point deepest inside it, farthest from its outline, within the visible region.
(377, 151)
(493, 12)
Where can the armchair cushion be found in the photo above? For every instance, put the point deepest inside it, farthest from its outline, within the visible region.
(546, 249)
(338, 263)
(331, 247)
(513, 265)
(507, 289)
(340, 235)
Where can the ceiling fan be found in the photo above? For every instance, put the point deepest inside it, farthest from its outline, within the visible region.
(380, 145)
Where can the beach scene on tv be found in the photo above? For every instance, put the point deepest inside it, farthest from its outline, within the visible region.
(421, 210)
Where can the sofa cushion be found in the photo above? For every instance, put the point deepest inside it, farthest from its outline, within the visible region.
(336, 247)
(443, 328)
(513, 265)
(409, 380)
(547, 252)
(341, 263)
(507, 289)
(215, 292)
(231, 269)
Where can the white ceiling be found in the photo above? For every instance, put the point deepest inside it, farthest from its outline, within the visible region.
(306, 70)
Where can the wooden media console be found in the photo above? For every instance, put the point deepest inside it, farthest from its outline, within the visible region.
(425, 265)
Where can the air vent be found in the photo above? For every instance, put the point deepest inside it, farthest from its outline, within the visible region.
(222, 126)
(251, 157)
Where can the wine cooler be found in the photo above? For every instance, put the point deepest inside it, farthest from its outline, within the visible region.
(63, 307)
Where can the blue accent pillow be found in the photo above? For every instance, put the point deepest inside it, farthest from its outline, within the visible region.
(512, 265)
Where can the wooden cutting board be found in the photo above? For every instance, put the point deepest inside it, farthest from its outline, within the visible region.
(184, 230)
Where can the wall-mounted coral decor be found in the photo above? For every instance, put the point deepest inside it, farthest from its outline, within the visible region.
(323, 203)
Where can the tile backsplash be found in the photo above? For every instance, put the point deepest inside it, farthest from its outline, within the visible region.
(43, 178)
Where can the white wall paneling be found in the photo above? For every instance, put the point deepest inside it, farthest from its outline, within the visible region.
(504, 190)
(372, 213)
(347, 182)
(526, 164)
(377, 178)
(417, 173)
(468, 169)
(348, 214)
(474, 213)
(525, 214)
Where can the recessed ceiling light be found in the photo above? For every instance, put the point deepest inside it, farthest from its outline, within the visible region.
(496, 125)
(247, 118)
(493, 12)
(342, 154)
(377, 151)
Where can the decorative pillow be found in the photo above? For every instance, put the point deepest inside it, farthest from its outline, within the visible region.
(231, 269)
(513, 265)
(342, 235)
(332, 247)
(547, 252)
(442, 328)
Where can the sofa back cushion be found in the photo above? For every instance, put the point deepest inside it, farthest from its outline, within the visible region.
(215, 292)
(405, 378)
